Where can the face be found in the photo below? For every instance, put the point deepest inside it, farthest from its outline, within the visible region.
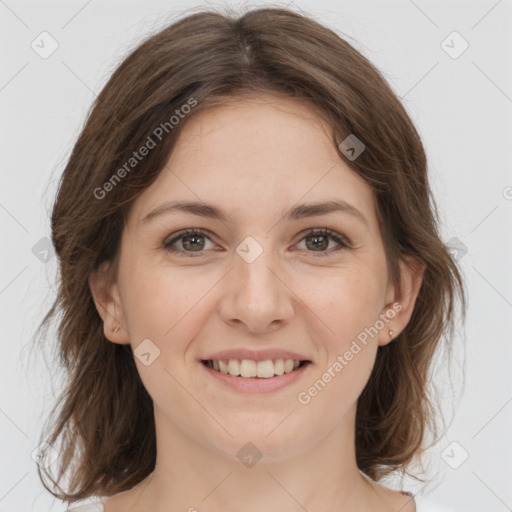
(254, 284)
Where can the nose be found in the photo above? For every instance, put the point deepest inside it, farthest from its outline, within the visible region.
(257, 297)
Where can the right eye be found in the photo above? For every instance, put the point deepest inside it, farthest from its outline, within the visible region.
(189, 239)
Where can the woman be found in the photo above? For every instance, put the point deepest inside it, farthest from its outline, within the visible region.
(253, 285)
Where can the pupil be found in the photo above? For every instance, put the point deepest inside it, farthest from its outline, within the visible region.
(187, 238)
(324, 239)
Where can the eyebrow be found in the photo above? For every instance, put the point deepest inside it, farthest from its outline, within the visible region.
(215, 212)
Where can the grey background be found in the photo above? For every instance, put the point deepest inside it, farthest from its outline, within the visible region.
(463, 109)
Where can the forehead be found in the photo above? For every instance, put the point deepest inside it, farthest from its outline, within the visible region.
(257, 155)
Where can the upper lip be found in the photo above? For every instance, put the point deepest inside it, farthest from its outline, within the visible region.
(255, 355)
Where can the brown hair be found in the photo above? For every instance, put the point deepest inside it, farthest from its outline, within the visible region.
(105, 421)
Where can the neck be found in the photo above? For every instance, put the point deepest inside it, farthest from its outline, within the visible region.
(191, 477)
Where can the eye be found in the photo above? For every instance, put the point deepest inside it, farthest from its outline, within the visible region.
(318, 240)
(193, 241)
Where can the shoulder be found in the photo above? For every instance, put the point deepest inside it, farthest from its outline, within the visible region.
(426, 505)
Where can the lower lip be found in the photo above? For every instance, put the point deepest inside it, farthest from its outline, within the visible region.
(255, 384)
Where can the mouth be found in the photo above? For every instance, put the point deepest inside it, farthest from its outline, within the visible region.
(250, 369)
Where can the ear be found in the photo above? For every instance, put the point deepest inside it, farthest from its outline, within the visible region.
(108, 304)
(400, 299)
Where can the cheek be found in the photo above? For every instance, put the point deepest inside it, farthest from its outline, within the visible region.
(347, 307)
(347, 303)
(159, 301)
(165, 307)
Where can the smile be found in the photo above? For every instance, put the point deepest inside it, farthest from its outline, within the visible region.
(251, 376)
(249, 369)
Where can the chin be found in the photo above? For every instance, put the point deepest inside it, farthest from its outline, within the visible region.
(272, 441)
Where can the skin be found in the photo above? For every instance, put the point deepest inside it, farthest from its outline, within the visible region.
(256, 158)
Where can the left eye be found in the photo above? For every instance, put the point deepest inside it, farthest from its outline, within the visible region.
(193, 241)
(320, 240)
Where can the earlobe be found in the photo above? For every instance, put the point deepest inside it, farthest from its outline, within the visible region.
(108, 305)
(390, 323)
(404, 298)
(117, 334)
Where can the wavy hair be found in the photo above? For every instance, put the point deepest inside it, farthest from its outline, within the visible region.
(103, 421)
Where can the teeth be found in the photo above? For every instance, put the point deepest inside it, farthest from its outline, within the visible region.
(279, 366)
(288, 366)
(265, 369)
(234, 367)
(248, 368)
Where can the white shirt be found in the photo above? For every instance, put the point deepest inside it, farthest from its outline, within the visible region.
(422, 505)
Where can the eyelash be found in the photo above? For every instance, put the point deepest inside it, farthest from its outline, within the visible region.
(168, 245)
